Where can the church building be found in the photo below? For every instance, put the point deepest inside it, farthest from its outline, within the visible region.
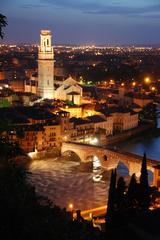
(69, 90)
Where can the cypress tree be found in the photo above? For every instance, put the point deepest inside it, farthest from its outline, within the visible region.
(144, 198)
(111, 198)
(132, 192)
(120, 193)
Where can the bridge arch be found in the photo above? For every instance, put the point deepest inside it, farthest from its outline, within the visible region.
(72, 154)
(123, 168)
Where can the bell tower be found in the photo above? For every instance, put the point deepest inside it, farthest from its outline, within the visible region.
(46, 65)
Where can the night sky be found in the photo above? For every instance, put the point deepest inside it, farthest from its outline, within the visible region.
(83, 21)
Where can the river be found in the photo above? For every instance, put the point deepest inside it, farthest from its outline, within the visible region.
(64, 181)
(149, 143)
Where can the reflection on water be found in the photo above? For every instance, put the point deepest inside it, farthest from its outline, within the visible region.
(97, 170)
(64, 181)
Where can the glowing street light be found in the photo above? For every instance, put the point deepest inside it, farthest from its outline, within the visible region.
(111, 81)
(134, 84)
(147, 80)
(153, 89)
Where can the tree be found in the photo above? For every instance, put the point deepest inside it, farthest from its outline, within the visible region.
(144, 198)
(132, 194)
(120, 193)
(111, 206)
(3, 23)
(149, 112)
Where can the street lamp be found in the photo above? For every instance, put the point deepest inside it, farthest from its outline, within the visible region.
(153, 89)
(147, 80)
(70, 206)
(134, 84)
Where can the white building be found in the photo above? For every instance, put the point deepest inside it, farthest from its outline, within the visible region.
(69, 90)
(101, 122)
(46, 66)
(124, 121)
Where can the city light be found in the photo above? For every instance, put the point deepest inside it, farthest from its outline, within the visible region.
(111, 81)
(65, 138)
(94, 141)
(153, 89)
(134, 84)
(147, 80)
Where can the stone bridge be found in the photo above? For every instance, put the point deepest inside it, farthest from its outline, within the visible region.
(109, 158)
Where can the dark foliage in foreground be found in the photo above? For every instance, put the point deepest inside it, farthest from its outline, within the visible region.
(3, 23)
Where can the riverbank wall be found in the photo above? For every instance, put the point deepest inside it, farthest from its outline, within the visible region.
(130, 133)
(52, 153)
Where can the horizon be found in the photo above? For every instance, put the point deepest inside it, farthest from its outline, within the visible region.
(83, 22)
(107, 45)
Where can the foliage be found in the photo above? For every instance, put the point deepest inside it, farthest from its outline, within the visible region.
(120, 193)
(144, 197)
(111, 197)
(132, 193)
(149, 112)
(3, 23)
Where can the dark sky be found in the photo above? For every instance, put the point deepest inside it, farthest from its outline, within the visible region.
(83, 21)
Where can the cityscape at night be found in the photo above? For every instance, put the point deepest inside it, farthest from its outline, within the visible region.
(79, 120)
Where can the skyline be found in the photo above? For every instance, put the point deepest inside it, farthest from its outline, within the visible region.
(83, 22)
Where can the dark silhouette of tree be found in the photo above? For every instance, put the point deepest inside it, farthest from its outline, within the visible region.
(120, 193)
(3, 23)
(144, 198)
(132, 194)
(111, 205)
(149, 112)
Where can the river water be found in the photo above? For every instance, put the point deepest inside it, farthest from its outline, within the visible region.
(149, 143)
(64, 181)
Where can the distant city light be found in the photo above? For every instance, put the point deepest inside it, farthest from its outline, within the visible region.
(111, 81)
